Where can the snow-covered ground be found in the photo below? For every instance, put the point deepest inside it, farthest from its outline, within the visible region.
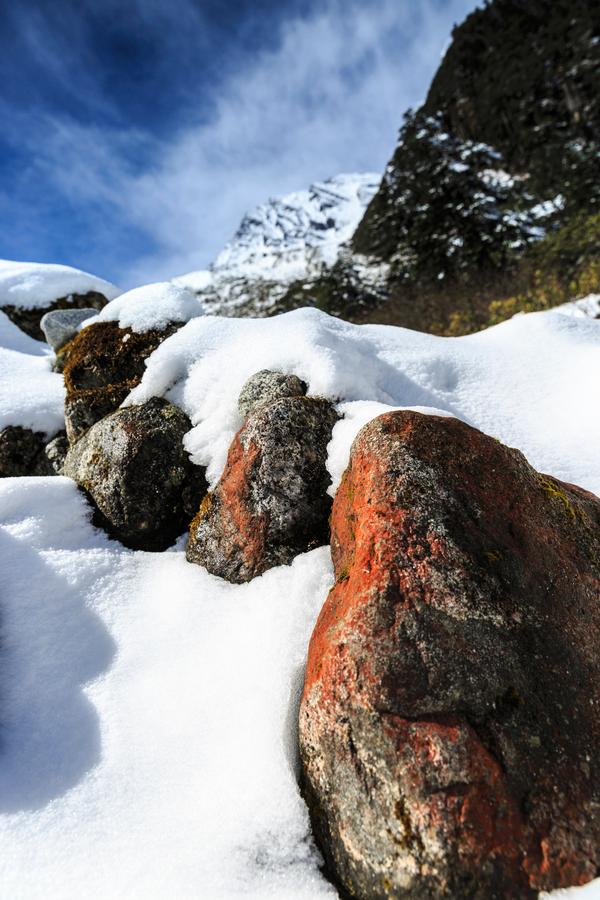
(148, 708)
(286, 239)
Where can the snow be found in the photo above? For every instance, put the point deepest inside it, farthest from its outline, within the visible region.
(149, 708)
(152, 306)
(37, 285)
(31, 395)
(585, 307)
(286, 239)
(531, 381)
(148, 713)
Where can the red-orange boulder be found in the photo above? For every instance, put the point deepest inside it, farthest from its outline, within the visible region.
(271, 502)
(450, 721)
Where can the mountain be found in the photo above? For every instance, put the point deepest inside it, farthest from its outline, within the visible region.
(491, 200)
(490, 204)
(290, 239)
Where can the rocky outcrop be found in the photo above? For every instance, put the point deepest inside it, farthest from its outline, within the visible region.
(450, 723)
(60, 325)
(102, 364)
(271, 502)
(266, 386)
(29, 320)
(22, 452)
(134, 468)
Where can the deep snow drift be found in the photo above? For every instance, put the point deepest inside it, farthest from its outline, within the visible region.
(149, 708)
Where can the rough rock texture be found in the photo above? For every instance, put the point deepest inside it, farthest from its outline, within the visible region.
(29, 320)
(60, 325)
(22, 453)
(102, 364)
(271, 502)
(134, 468)
(265, 386)
(56, 451)
(450, 721)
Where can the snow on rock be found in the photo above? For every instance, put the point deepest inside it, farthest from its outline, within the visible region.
(529, 382)
(285, 239)
(151, 307)
(588, 306)
(37, 285)
(148, 716)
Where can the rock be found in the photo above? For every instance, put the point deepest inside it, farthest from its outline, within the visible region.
(134, 468)
(102, 364)
(265, 386)
(56, 451)
(60, 325)
(22, 452)
(450, 720)
(271, 502)
(29, 320)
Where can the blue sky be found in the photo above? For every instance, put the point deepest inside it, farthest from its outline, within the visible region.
(133, 136)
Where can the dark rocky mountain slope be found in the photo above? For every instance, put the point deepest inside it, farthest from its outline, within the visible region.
(490, 201)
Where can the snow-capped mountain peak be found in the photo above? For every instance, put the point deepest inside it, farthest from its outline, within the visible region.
(285, 239)
(285, 231)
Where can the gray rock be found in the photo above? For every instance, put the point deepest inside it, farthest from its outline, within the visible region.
(60, 325)
(56, 451)
(22, 453)
(265, 387)
(271, 502)
(134, 468)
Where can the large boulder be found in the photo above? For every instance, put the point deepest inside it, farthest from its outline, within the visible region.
(271, 502)
(450, 720)
(134, 468)
(102, 364)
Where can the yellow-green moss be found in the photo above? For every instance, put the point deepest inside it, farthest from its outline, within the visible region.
(555, 493)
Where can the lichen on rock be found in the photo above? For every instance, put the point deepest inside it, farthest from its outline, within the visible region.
(101, 365)
(450, 723)
(271, 502)
(265, 387)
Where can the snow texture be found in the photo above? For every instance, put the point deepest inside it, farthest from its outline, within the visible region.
(31, 395)
(37, 285)
(152, 306)
(286, 239)
(529, 382)
(148, 708)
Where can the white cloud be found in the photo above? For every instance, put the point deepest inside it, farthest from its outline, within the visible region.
(329, 98)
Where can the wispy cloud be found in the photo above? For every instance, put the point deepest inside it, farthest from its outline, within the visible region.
(328, 98)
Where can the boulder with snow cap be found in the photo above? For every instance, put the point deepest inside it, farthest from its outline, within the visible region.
(30, 290)
(105, 360)
(271, 502)
(450, 722)
(134, 468)
(265, 387)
